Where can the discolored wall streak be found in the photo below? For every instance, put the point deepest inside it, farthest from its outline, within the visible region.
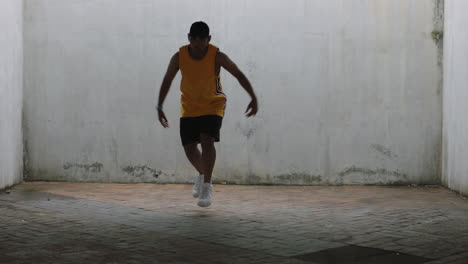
(139, 171)
(95, 167)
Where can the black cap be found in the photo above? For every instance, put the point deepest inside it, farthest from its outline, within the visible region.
(199, 30)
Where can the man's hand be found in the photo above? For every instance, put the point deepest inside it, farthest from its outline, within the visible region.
(252, 108)
(163, 119)
(172, 70)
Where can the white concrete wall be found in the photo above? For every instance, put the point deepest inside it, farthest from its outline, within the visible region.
(455, 135)
(11, 92)
(349, 90)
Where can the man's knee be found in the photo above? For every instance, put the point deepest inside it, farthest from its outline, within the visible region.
(190, 147)
(206, 140)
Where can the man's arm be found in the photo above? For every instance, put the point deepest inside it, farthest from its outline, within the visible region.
(224, 61)
(171, 72)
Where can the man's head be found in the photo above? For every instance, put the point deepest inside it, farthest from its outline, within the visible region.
(199, 36)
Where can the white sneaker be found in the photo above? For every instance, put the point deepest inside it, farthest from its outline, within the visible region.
(206, 195)
(197, 182)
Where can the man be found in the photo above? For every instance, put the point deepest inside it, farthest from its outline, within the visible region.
(202, 103)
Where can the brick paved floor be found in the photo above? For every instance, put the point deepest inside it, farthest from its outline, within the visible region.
(51, 222)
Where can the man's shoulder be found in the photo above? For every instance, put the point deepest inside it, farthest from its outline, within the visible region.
(182, 49)
(220, 56)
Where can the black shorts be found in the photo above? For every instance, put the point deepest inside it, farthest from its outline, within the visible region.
(192, 127)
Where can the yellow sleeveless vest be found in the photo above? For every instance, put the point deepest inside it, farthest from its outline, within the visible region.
(200, 86)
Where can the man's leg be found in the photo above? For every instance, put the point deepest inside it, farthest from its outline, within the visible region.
(194, 156)
(208, 155)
